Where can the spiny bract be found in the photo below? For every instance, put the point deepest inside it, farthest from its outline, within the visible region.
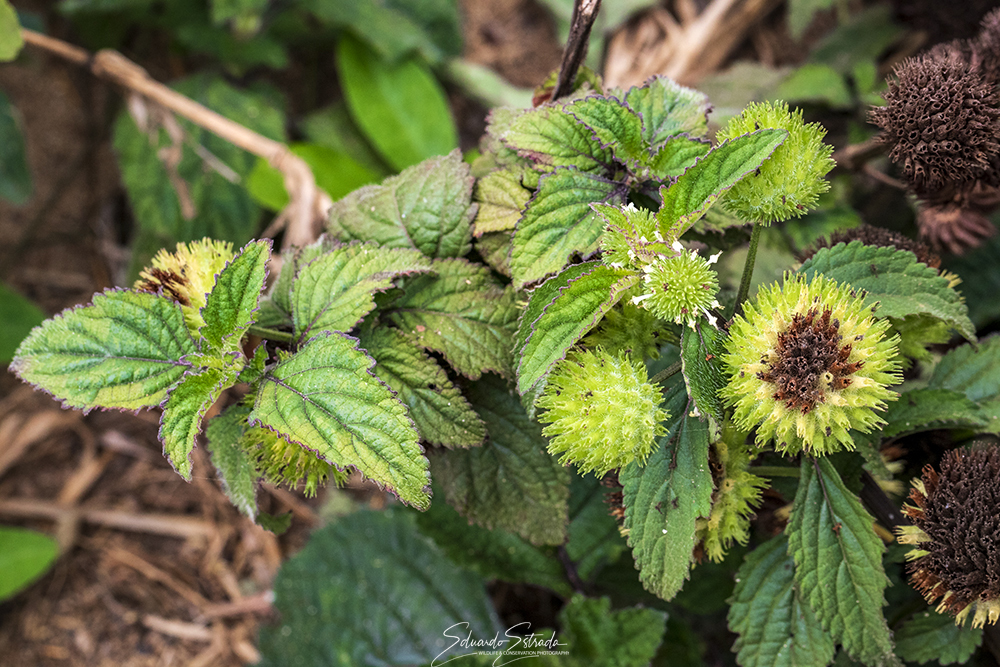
(681, 288)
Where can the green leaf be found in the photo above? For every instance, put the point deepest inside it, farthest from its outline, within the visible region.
(336, 173)
(15, 176)
(334, 291)
(501, 198)
(19, 317)
(442, 415)
(492, 554)
(10, 33)
(25, 555)
(463, 313)
(230, 306)
(123, 351)
(370, 589)
(702, 184)
(560, 222)
(862, 39)
(511, 482)
(930, 636)
(570, 305)
(614, 125)
(665, 497)
(980, 276)
(326, 399)
(776, 627)
(676, 155)
(668, 109)
(235, 468)
(595, 635)
(550, 137)
(971, 370)
(400, 106)
(701, 351)
(928, 409)
(838, 563)
(816, 83)
(902, 285)
(800, 14)
(494, 248)
(428, 207)
(594, 539)
(183, 411)
(333, 128)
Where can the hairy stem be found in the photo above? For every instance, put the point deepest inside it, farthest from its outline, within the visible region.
(667, 372)
(775, 471)
(272, 334)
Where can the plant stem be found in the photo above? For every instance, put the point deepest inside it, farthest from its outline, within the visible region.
(584, 13)
(272, 334)
(667, 372)
(741, 296)
(775, 471)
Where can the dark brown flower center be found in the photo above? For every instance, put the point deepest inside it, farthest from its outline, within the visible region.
(171, 284)
(807, 350)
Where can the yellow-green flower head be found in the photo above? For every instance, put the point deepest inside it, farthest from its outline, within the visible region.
(956, 533)
(282, 462)
(791, 180)
(187, 275)
(807, 364)
(601, 411)
(680, 288)
(631, 238)
(737, 493)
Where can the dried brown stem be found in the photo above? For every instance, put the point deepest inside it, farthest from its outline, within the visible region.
(584, 13)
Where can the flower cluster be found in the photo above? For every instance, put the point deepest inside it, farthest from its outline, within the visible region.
(681, 288)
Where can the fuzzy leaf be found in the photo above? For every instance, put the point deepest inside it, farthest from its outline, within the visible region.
(494, 248)
(511, 482)
(125, 350)
(676, 155)
(702, 184)
(613, 124)
(838, 563)
(582, 298)
(371, 590)
(895, 279)
(665, 497)
(927, 409)
(550, 137)
(236, 470)
(435, 404)
(463, 313)
(493, 554)
(183, 411)
(930, 636)
(427, 207)
(595, 635)
(229, 309)
(973, 372)
(701, 351)
(326, 399)
(559, 222)
(334, 291)
(668, 109)
(776, 627)
(594, 540)
(501, 198)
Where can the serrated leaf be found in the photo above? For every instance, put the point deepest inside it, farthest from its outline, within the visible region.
(776, 627)
(493, 554)
(614, 125)
(427, 207)
(229, 308)
(971, 370)
(125, 350)
(930, 636)
(370, 588)
(902, 285)
(838, 563)
(183, 411)
(501, 198)
(668, 109)
(665, 497)
(559, 222)
(594, 539)
(701, 185)
(701, 351)
(25, 555)
(550, 137)
(442, 415)
(494, 248)
(15, 176)
(676, 155)
(581, 297)
(236, 470)
(276, 307)
(596, 635)
(461, 312)
(334, 291)
(511, 482)
(326, 399)
(926, 409)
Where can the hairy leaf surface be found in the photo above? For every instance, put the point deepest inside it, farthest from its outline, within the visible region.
(230, 306)
(551, 137)
(930, 636)
(668, 109)
(183, 411)
(613, 124)
(501, 198)
(236, 470)
(596, 635)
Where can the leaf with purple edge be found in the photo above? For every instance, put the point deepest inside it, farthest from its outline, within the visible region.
(326, 399)
(668, 109)
(551, 137)
(229, 309)
(183, 412)
(614, 125)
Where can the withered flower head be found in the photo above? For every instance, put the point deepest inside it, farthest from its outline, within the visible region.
(940, 121)
(879, 237)
(953, 227)
(986, 47)
(956, 534)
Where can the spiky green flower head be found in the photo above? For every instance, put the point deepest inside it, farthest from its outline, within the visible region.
(807, 363)
(187, 275)
(680, 288)
(282, 462)
(789, 183)
(631, 238)
(629, 329)
(737, 492)
(601, 411)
